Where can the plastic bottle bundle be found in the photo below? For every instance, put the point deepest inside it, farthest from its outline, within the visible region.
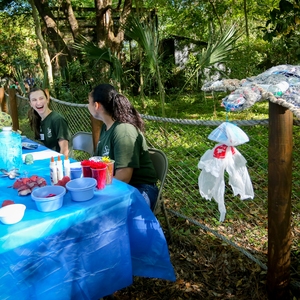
(10, 149)
(233, 101)
(294, 81)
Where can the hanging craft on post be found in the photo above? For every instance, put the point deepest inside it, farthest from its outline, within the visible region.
(225, 157)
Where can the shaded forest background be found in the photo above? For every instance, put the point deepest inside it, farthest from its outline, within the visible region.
(146, 48)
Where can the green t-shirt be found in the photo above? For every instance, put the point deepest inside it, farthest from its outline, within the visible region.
(127, 146)
(53, 128)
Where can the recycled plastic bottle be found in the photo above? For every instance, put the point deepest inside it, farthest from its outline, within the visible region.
(278, 89)
(10, 149)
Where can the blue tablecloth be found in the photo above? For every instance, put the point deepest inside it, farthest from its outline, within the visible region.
(84, 250)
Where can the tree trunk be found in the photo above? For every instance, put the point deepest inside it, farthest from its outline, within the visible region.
(117, 39)
(109, 31)
(69, 14)
(103, 20)
(53, 32)
(44, 53)
(246, 19)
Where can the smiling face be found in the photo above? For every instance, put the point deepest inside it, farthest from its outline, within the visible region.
(39, 102)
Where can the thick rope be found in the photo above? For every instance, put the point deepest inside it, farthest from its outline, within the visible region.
(206, 122)
(266, 95)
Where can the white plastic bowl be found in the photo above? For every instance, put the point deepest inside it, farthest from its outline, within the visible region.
(12, 213)
(47, 204)
(82, 189)
(96, 158)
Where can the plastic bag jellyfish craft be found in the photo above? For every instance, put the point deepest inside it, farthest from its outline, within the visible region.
(225, 157)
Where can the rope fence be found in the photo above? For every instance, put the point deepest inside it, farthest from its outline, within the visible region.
(184, 142)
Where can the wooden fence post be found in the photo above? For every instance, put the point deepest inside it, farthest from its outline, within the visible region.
(13, 108)
(96, 128)
(279, 200)
(3, 100)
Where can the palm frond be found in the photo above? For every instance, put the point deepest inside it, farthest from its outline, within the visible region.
(220, 50)
(18, 73)
(91, 51)
(144, 34)
(216, 52)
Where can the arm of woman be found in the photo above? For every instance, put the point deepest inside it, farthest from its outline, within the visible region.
(64, 147)
(124, 174)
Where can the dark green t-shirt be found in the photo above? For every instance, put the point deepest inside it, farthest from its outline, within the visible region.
(53, 128)
(127, 146)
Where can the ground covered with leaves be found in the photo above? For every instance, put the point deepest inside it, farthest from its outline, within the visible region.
(206, 268)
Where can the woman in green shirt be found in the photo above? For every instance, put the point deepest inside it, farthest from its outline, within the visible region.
(122, 139)
(48, 126)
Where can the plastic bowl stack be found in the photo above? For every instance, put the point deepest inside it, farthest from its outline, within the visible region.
(82, 189)
(75, 170)
(48, 198)
(12, 213)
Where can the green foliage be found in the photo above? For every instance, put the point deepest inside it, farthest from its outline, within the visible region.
(13, 34)
(201, 23)
(90, 50)
(283, 20)
(145, 34)
(281, 30)
(249, 58)
(74, 84)
(218, 50)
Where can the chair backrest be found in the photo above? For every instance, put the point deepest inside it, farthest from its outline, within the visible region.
(160, 162)
(83, 141)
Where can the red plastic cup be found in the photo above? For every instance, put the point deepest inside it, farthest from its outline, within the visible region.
(100, 176)
(86, 171)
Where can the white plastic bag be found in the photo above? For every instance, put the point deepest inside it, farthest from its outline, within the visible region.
(211, 179)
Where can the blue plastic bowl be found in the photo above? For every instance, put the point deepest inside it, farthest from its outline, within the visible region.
(81, 189)
(47, 204)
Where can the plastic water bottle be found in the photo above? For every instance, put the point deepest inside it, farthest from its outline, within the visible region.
(278, 89)
(10, 149)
